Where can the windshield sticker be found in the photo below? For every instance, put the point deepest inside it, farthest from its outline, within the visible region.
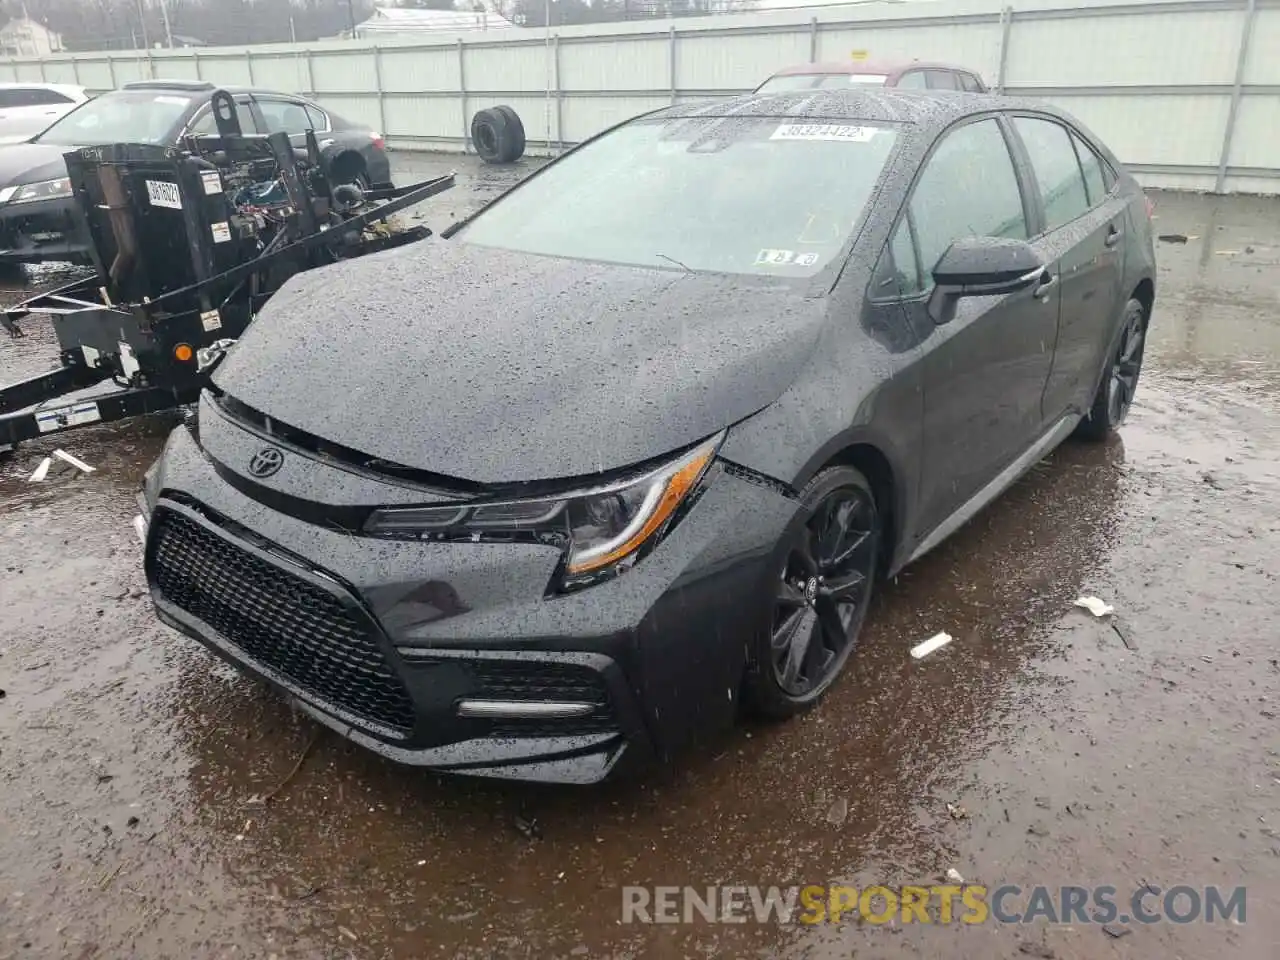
(823, 131)
(775, 256)
(805, 259)
(173, 101)
(162, 193)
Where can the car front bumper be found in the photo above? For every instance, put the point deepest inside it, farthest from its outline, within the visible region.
(452, 655)
(43, 231)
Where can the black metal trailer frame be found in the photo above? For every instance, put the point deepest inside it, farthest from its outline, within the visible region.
(155, 350)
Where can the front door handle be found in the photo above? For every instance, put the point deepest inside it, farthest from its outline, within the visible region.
(1113, 236)
(1047, 282)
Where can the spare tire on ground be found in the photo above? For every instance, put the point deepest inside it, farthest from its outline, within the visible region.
(498, 135)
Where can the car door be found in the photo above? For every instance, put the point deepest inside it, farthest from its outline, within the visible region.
(983, 373)
(1083, 232)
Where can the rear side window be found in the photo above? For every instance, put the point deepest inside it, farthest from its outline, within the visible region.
(285, 115)
(912, 80)
(1095, 180)
(1053, 158)
(968, 188)
(942, 80)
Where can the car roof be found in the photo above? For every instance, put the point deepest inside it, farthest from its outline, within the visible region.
(871, 104)
(67, 88)
(860, 67)
(205, 86)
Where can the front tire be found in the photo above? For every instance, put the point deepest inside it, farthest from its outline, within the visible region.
(819, 595)
(1119, 384)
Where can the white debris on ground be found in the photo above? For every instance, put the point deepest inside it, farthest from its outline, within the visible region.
(936, 642)
(1097, 607)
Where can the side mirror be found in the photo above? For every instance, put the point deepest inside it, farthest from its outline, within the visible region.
(981, 267)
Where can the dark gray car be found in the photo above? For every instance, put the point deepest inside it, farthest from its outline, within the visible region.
(40, 219)
(631, 446)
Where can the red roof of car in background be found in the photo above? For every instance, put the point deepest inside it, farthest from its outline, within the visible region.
(851, 67)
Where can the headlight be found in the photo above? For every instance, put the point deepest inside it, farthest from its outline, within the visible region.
(604, 530)
(44, 190)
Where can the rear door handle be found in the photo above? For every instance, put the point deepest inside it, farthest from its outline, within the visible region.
(1113, 236)
(1047, 282)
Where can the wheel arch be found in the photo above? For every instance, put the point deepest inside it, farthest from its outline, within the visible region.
(873, 463)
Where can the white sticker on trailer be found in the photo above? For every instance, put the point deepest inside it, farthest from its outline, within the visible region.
(212, 181)
(162, 193)
(56, 418)
(221, 232)
(823, 131)
(211, 320)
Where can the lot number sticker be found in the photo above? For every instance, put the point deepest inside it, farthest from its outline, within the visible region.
(823, 131)
(774, 256)
(162, 193)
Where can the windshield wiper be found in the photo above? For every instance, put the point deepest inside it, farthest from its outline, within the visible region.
(675, 261)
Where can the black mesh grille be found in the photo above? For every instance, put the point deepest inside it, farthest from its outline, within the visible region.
(278, 619)
(527, 680)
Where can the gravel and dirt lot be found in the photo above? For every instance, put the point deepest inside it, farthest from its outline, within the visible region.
(133, 767)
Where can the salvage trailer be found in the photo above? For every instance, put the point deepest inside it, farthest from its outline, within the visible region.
(188, 242)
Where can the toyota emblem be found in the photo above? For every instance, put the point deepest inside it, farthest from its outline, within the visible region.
(266, 462)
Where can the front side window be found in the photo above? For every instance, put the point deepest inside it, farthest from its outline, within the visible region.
(122, 116)
(1053, 158)
(912, 80)
(941, 80)
(205, 125)
(970, 83)
(747, 195)
(968, 188)
(898, 274)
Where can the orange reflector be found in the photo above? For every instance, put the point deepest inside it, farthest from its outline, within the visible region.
(183, 352)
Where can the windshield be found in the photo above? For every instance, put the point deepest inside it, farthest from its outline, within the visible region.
(791, 82)
(123, 116)
(721, 194)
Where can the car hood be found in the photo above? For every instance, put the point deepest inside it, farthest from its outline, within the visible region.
(493, 367)
(31, 163)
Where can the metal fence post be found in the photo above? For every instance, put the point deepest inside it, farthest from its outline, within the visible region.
(43, 78)
(559, 97)
(248, 62)
(377, 78)
(671, 57)
(462, 95)
(111, 71)
(813, 39)
(311, 76)
(1242, 55)
(195, 59)
(1006, 28)
(75, 71)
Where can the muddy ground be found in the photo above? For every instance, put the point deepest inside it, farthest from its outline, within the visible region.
(129, 759)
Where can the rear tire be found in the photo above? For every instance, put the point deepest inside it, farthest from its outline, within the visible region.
(1119, 384)
(818, 596)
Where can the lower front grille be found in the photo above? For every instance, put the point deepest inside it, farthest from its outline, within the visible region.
(278, 619)
(543, 681)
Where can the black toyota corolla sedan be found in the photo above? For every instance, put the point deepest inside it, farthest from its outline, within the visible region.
(626, 452)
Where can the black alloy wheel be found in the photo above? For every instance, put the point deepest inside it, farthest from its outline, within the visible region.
(1126, 368)
(1119, 385)
(820, 596)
